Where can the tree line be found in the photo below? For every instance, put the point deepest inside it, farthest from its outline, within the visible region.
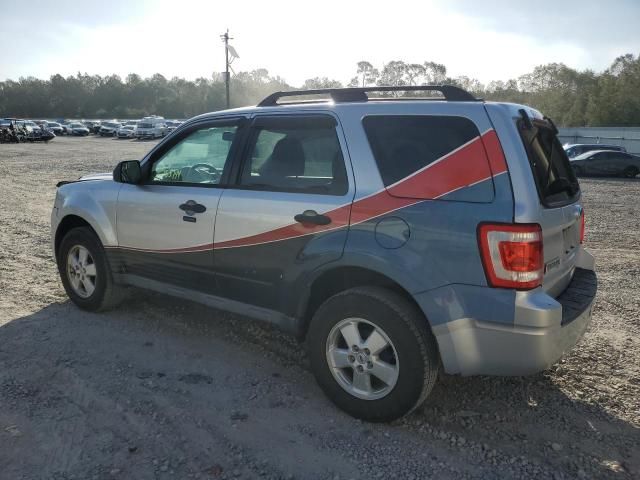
(570, 97)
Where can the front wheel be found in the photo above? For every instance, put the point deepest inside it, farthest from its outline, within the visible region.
(373, 353)
(630, 172)
(85, 272)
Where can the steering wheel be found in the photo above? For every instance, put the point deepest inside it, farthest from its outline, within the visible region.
(203, 172)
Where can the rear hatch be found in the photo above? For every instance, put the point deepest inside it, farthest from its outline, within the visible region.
(559, 192)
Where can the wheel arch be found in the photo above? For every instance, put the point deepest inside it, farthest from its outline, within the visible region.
(68, 223)
(337, 279)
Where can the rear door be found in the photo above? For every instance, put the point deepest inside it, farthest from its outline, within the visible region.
(165, 226)
(288, 212)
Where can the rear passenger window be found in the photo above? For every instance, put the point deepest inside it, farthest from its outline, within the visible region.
(403, 145)
(295, 154)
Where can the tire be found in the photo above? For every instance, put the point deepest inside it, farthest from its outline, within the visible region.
(630, 172)
(105, 294)
(412, 352)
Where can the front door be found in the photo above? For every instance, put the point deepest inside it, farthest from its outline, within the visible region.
(165, 225)
(288, 212)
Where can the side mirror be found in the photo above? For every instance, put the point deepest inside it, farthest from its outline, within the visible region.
(128, 171)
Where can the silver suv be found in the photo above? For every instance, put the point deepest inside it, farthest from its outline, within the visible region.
(397, 236)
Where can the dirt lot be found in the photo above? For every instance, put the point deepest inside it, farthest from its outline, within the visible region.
(165, 389)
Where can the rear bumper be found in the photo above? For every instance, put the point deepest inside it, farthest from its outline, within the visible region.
(544, 329)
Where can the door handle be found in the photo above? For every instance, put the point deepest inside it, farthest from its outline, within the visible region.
(311, 216)
(191, 207)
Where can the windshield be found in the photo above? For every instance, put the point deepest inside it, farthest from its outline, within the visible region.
(554, 177)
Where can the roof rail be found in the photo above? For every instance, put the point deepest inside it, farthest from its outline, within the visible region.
(359, 94)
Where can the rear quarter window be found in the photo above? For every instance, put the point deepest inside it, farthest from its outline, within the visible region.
(430, 157)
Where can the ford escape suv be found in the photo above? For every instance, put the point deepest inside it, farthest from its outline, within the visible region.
(395, 235)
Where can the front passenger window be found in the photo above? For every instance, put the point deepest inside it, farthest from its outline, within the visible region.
(197, 159)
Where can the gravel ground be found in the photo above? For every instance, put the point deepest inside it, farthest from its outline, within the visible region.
(167, 389)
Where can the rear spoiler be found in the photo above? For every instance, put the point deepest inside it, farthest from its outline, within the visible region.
(529, 124)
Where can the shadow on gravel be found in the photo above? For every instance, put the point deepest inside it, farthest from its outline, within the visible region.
(163, 385)
(532, 416)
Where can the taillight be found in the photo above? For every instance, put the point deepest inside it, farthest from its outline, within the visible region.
(512, 254)
(582, 226)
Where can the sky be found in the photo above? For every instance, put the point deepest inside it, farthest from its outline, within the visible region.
(487, 40)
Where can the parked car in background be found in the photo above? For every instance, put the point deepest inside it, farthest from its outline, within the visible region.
(77, 129)
(398, 238)
(66, 125)
(126, 131)
(606, 163)
(92, 125)
(109, 129)
(55, 127)
(30, 124)
(151, 127)
(573, 150)
(43, 134)
(8, 133)
(172, 125)
(30, 131)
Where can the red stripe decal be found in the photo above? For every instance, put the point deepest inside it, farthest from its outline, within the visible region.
(339, 218)
(495, 154)
(460, 168)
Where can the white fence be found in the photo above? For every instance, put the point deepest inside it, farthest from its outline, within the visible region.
(628, 137)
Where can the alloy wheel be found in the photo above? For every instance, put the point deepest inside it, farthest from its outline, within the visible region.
(81, 271)
(362, 359)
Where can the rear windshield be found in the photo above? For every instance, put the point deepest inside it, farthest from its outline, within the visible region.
(555, 180)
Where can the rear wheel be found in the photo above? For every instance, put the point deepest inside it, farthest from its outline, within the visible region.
(630, 172)
(373, 353)
(85, 272)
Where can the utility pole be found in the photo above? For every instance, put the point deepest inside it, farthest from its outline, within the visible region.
(225, 38)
